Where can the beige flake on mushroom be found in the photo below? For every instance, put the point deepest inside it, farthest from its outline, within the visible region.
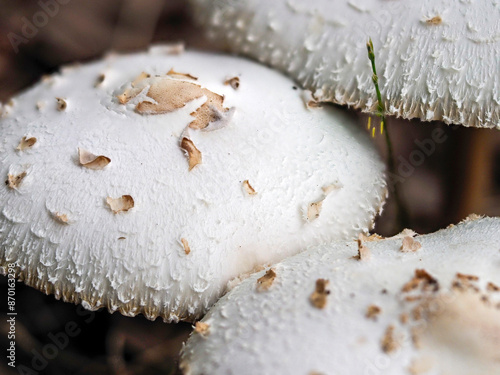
(99, 80)
(172, 73)
(60, 217)
(140, 78)
(132, 92)
(389, 342)
(421, 277)
(405, 233)
(26, 143)
(371, 238)
(14, 181)
(202, 329)
(248, 188)
(122, 204)
(193, 154)
(372, 312)
(436, 20)
(490, 287)
(410, 245)
(314, 209)
(465, 277)
(61, 104)
(309, 99)
(185, 245)
(265, 282)
(331, 188)
(364, 252)
(40, 105)
(319, 297)
(91, 161)
(234, 82)
(169, 94)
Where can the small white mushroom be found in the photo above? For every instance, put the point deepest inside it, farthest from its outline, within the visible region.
(289, 153)
(395, 315)
(437, 60)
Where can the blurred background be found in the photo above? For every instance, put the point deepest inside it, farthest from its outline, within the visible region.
(460, 176)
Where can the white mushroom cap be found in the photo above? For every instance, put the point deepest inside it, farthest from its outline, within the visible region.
(436, 308)
(435, 60)
(142, 213)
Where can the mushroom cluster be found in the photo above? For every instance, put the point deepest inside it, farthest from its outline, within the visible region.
(144, 183)
(156, 183)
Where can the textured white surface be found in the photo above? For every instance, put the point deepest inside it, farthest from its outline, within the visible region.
(280, 332)
(447, 71)
(135, 261)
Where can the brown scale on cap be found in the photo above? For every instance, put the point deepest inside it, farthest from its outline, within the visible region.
(492, 287)
(319, 296)
(248, 188)
(314, 209)
(99, 80)
(60, 217)
(171, 93)
(364, 252)
(26, 143)
(464, 277)
(61, 104)
(185, 245)
(410, 245)
(464, 282)
(310, 100)
(172, 73)
(14, 181)
(422, 277)
(194, 155)
(91, 161)
(436, 20)
(265, 282)
(122, 204)
(372, 312)
(371, 238)
(202, 329)
(234, 82)
(389, 343)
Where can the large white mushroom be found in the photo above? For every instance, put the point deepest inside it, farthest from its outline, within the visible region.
(144, 183)
(436, 60)
(405, 305)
